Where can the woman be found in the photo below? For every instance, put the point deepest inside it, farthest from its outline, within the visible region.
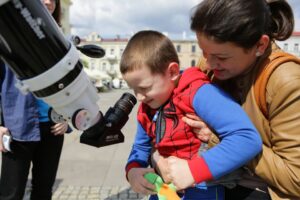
(54, 8)
(237, 37)
(35, 139)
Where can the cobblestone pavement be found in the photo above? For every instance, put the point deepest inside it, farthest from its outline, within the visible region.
(92, 193)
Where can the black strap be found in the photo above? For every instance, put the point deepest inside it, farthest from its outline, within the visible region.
(2, 73)
(160, 125)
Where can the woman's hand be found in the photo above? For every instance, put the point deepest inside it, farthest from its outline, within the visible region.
(138, 183)
(199, 127)
(60, 128)
(173, 170)
(3, 131)
(160, 163)
(179, 173)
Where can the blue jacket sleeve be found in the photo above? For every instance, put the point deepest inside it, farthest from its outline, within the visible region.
(141, 148)
(240, 141)
(2, 73)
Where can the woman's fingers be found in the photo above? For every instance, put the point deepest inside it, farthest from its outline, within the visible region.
(59, 129)
(193, 122)
(199, 127)
(193, 116)
(179, 173)
(3, 131)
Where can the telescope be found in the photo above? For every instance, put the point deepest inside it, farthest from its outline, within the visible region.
(47, 65)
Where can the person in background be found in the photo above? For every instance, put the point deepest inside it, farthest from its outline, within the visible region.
(150, 66)
(35, 139)
(237, 38)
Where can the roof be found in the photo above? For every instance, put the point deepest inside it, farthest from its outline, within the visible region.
(296, 33)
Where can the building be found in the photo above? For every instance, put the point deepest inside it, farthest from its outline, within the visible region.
(109, 64)
(291, 45)
(65, 16)
(188, 52)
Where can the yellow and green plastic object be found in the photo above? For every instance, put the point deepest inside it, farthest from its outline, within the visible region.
(164, 191)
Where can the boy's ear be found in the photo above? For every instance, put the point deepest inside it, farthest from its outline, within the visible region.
(173, 70)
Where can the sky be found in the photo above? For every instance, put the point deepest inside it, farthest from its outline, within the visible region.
(122, 18)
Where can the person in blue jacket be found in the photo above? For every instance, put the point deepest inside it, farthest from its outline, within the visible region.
(35, 139)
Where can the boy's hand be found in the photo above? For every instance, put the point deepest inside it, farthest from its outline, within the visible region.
(139, 183)
(59, 129)
(199, 127)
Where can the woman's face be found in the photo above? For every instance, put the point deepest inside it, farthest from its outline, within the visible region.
(50, 4)
(226, 60)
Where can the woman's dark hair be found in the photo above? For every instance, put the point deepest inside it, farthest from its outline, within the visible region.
(57, 12)
(243, 22)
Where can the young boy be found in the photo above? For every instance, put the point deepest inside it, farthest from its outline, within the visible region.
(150, 66)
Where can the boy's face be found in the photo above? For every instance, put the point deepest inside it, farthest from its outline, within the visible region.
(152, 89)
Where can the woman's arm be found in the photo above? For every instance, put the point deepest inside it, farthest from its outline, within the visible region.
(278, 164)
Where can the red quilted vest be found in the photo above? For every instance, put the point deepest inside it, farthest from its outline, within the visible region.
(170, 135)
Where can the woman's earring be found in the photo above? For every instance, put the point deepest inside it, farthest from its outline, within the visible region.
(257, 54)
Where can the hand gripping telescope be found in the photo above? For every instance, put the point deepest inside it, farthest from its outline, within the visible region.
(48, 65)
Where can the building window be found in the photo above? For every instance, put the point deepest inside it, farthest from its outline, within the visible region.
(92, 65)
(112, 51)
(193, 48)
(98, 67)
(193, 63)
(121, 51)
(104, 67)
(178, 48)
(285, 46)
(296, 48)
(111, 68)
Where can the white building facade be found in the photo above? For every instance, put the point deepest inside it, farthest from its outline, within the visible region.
(109, 64)
(291, 45)
(188, 52)
(65, 15)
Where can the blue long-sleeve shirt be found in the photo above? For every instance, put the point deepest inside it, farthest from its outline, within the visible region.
(21, 113)
(240, 141)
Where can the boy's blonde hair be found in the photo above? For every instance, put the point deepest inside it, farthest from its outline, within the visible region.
(151, 49)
